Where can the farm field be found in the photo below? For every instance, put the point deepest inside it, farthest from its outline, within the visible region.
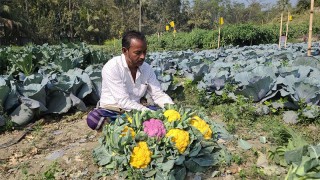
(61, 148)
(267, 99)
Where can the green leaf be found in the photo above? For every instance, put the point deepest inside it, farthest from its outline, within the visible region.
(196, 149)
(207, 143)
(314, 151)
(58, 102)
(150, 173)
(180, 172)
(244, 144)
(295, 156)
(301, 171)
(141, 136)
(193, 166)
(204, 160)
(161, 176)
(167, 166)
(102, 156)
(180, 160)
(22, 115)
(4, 92)
(310, 164)
(112, 165)
(206, 150)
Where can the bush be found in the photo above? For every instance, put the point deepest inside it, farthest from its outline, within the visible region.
(236, 35)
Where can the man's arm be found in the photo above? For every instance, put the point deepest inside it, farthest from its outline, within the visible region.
(156, 92)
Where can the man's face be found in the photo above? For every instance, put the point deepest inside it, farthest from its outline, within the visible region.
(136, 53)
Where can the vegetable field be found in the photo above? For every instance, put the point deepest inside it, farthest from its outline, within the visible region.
(248, 83)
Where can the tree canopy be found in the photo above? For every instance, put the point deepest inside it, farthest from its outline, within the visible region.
(93, 21)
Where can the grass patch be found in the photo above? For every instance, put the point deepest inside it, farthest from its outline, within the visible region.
(49, 174)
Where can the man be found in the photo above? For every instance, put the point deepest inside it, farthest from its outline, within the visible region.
(127, 78)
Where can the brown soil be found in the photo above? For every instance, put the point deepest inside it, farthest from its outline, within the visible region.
(61, 149)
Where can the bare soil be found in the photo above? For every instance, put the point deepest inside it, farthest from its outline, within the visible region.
(57, 150)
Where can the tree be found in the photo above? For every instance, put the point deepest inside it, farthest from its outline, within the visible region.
(9, 24)
(206, 13)
(303, 5)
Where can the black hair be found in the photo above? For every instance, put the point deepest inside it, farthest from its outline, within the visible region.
(126, 38)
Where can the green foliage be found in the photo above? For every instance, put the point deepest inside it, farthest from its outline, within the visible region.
(113, 46)
(277, 106)
(240, 34)
(96, 21)
(288, 141)
(304, 162)
(242, 109)
(4, 62)
(237, 159)
(49, 174)
(209, 100)
(8, 126)
(248, 34)
(308, 113)
(304, 5)
(30, 58)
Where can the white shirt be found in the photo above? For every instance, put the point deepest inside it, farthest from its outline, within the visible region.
(119, 89)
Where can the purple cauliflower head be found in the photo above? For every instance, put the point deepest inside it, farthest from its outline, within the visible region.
(154, 128)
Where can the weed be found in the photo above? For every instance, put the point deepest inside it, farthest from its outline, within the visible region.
(242, 174)
(50, 172)
(284, 63)
(276, 107)
(231, 127)
(8, 126)
(242, 110)
(237, 159)
(24, 169)
(75, 116)
(314, 113)
(281, 135)
(37, 128)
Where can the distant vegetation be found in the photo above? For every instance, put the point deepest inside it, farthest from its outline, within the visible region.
(236, 34)
(95, 21)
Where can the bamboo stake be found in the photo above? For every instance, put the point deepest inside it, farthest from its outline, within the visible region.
(287, 29)
(140, 15)
(310, 28)
(280, 31)
(219, 37)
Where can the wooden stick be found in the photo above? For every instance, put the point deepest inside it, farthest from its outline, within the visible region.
(219, 38)
(310, 28)
(287, 29)
(140, 15)
(280, 31)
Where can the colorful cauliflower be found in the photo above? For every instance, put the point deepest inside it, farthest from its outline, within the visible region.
(180, 138)
(202, 126)
(154, 128)
(172, 115)
(141, 156)
(126, 129)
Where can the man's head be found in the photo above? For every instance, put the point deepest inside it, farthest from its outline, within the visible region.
(134, 47)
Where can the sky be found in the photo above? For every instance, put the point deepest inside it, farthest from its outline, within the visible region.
(293, 2)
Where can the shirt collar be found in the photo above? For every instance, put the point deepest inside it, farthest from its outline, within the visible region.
(125, 65)
(124, 62)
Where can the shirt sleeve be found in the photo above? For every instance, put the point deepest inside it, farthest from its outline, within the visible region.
(156, 92)
(118, 90)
